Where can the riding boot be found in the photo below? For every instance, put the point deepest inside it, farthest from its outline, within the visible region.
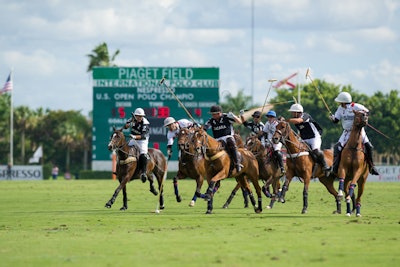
(233, 153)
(368, 153)
(321, 160)
(143, 167)
(279, 158)
(337, 152)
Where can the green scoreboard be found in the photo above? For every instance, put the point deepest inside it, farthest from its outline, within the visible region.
(118, 91)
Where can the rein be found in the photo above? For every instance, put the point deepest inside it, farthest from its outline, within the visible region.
(286, 139)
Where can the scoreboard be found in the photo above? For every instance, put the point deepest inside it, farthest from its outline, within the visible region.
(118, 91)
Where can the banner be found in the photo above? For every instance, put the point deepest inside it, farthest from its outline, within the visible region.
(21, 172)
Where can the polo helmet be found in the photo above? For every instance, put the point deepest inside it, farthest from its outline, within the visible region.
(296, 108)
(139, 112)
(168, 121)
(343, 97)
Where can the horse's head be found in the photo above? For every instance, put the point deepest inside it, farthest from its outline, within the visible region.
(183, 137)
(253, 143)
(117, 139)
(199, 139)
(281, 132)
(360, 118)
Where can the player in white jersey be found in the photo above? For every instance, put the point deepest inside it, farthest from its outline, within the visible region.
(345, 114)
(268, 132)
(173, 129)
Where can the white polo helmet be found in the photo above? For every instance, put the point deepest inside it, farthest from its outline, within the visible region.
(343, 97)
(168, 121)
(139, 112)
(296, 108)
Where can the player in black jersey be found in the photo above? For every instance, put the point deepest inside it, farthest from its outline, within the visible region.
(221, 125)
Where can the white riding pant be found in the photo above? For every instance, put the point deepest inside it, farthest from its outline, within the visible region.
(142, 144)
(314, 143)
(346, 135)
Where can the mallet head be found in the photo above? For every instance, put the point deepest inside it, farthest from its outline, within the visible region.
(162, 80)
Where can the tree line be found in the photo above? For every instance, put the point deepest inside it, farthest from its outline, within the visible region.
(383, 130)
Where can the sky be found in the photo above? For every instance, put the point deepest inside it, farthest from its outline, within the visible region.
(345, 42)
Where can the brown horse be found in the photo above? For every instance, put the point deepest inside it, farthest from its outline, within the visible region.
(300, 164)
(127, 160)
(353, 167)
(219, 166)
(268, 169)
(191, 164)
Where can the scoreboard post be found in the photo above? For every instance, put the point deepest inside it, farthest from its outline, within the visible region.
(118, 91)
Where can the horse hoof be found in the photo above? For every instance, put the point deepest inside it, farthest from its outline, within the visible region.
(336, 212)
(268, 207)
(246, 205)
(358, 215)
(225, 206)
(207, 197)
(257, 210)
(108, 206)
(348, 214)
(123, 208)
(154, 191)
(209, 212)
(303, 211)
(191, 204)
(178, 199)
(162, 207)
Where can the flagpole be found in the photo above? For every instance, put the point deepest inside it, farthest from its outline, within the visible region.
(12, 124)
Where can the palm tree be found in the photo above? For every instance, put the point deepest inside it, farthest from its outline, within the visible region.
(25, 120)
(101, 57)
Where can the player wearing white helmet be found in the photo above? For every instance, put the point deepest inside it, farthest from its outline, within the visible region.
(345, 114)
(173, 129)
(310, 132)
(140, 133)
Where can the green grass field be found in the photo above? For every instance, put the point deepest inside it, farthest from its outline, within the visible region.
(64, 223)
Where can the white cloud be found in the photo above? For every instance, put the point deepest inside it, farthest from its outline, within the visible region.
(347, 42)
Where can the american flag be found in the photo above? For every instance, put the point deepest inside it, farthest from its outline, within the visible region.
(8, 86)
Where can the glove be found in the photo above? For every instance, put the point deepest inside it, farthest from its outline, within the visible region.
(332, 117)
(241, 112)
(230, 115)
(133, 136)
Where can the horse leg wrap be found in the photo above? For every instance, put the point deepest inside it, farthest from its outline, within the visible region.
(341, 184)
(351, 190)
(266, 192)
(210, 191)
(245, 198)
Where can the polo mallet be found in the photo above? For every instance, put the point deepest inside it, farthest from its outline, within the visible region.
(177, 99)
(316, 88)
(269, 90)
(161, 186)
